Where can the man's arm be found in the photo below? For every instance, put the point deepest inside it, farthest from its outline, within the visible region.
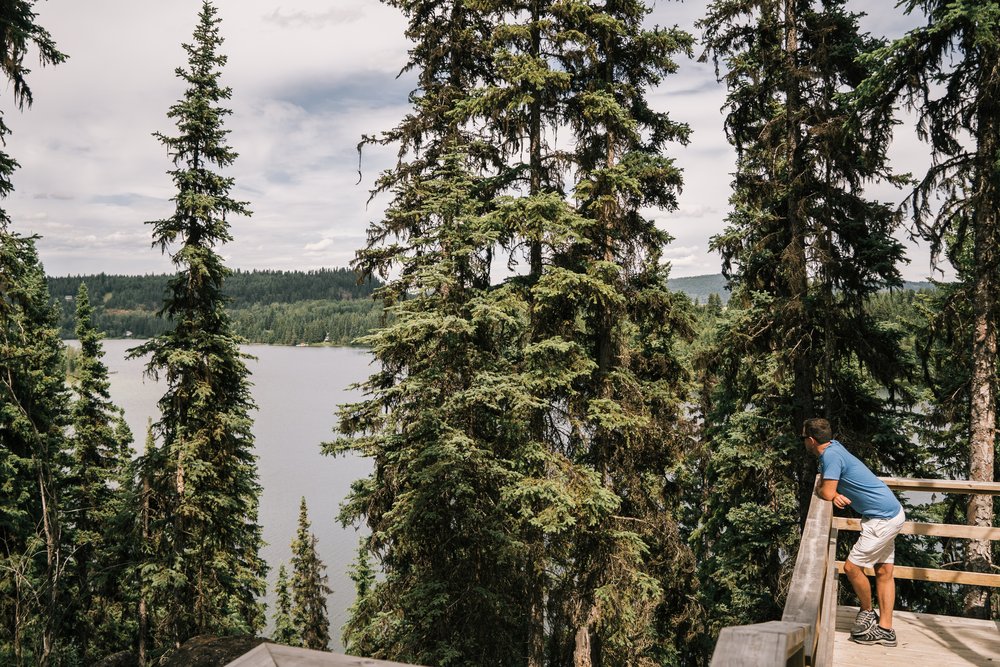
(828, 491)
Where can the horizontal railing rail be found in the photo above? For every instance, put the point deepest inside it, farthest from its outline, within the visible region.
(951, 530)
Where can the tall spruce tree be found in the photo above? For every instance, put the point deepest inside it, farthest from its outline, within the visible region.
(309, 589)
(437, 421)
(206, 575)
(284, 626)
(803, 251)
(629, 572)
(34, 417)
(516, 363)
(948, 73)
(96, 484)
(33, 399)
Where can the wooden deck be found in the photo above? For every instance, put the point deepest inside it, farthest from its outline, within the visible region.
(923, 639)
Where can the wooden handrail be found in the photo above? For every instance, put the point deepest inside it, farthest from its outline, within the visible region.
(929, 529)
(963, 486)
(805, 592)
(793, 640)
(940, 576)
(827, 626)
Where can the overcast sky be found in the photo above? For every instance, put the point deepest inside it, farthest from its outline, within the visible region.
(309, 77)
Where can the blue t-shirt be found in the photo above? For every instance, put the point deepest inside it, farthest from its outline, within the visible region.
(869, 495)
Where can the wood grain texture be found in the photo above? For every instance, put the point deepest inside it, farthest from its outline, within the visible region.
(962, 486)
(772, 644)
(932, 529)
(941, 576)
(922, 639)
(277, 655)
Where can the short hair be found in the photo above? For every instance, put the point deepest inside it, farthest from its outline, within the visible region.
(818, 428)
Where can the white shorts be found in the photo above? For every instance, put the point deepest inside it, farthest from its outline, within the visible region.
(877, 543)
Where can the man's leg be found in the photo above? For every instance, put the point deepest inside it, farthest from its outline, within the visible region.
(885, 587)
(862, 587)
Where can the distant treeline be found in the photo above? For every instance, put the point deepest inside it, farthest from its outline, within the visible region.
(274, 307)
(700, 288)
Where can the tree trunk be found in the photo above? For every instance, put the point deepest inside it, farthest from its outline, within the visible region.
(143, 611)
(581, 649)
(982, 432)
(50, 526)
(794, 266)
(982, 409)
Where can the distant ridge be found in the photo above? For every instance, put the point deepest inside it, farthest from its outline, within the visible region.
(701, 287)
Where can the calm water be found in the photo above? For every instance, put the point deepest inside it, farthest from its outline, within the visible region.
(297, 390)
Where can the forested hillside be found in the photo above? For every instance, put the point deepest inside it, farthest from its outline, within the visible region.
(700, 288)
(275, 307)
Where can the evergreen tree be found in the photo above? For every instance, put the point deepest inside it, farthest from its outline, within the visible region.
(437, 421)
(629, 573)
(34, 416)
(363, 576)
(309, 590)
(948, 72)
(33, 400)
(284, 627)
(490, 396)
(206, 574)
(95, 487)
(803, 251)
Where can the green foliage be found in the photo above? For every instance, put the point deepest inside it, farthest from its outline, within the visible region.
(284, 628)
(309, 591)
(522, 432)
(96, 485)
(803, 252)
(202, 572)
(34, 416)
(947, 72)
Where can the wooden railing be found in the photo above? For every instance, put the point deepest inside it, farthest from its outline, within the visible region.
(805, 634)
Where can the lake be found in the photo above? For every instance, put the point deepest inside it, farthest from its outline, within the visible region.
(297, 391)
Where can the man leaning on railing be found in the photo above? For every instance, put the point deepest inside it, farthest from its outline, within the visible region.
(848, 481)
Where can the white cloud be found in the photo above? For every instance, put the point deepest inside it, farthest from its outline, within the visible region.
(314, 20)
(308, 78)
(319, 245)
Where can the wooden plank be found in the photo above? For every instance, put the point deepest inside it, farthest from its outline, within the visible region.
(923, 639)
(932, 529)
(963, 486)
(278, 655)
(805, 592)
(258, 657)
(828, 617)
(941, 576)
(772, 644)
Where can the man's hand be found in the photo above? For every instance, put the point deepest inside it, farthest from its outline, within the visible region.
(828, 491)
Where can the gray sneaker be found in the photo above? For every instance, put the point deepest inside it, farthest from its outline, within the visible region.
(864, 622)
(877, 635)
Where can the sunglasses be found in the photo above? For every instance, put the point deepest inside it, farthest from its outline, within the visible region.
(805, 437)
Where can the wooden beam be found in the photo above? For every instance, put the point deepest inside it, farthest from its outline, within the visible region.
(278, 655)
(772, 644)
(932, 529)
(941, 576)
(963, 486)
(805, 592)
